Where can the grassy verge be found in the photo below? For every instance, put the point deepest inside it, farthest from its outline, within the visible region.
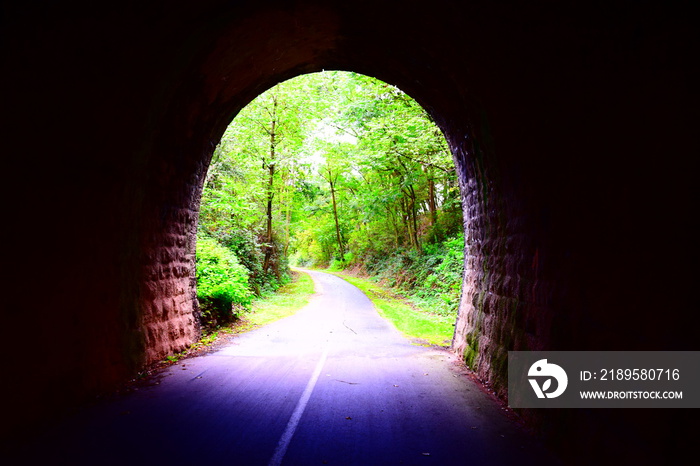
(407, 318)
(284, 302)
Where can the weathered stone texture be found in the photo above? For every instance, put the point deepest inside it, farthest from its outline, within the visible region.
(169, 318)
(505, 297)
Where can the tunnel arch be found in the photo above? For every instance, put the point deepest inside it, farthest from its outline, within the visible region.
(229, 72)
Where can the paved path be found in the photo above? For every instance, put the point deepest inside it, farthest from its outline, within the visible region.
(334, 384)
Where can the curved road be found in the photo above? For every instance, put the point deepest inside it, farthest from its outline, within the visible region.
(333, 384)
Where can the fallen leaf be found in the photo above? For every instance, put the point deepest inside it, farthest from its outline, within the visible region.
(348, 418)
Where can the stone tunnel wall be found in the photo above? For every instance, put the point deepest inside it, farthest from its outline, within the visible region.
(570, 126)
(170, 322)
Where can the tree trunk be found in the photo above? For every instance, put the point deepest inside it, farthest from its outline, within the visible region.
(432, 205)
(270, 192)
(410, 217)
(287, 222)
(414, 239)
(395, 224)
(335, 216)
(406, 216)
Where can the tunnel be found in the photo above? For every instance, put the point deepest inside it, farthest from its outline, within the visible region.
(571, 127)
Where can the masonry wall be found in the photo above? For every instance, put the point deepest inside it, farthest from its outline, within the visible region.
(571, 125)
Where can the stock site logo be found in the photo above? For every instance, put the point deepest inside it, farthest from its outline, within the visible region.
(544, 371)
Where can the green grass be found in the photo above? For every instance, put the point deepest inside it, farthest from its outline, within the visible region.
(284, 302)
(408, 319)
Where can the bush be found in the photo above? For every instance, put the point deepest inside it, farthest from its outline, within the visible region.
(432, 278)
(222, 282)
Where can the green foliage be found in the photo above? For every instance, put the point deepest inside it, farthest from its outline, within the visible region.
(377, 155)
(222, 282)
(337, 170)
(439, 279)
(431, 279)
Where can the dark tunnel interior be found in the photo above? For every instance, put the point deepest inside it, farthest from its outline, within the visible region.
(572, 127)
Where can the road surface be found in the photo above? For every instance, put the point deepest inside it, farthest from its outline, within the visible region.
(334, 384)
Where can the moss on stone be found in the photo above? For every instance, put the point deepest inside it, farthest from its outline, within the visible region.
(499, 368)
(471, 350)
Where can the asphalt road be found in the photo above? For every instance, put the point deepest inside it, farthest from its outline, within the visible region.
(333, 384)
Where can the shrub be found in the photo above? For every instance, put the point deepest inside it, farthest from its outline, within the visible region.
(432, 278)
(222, 282)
